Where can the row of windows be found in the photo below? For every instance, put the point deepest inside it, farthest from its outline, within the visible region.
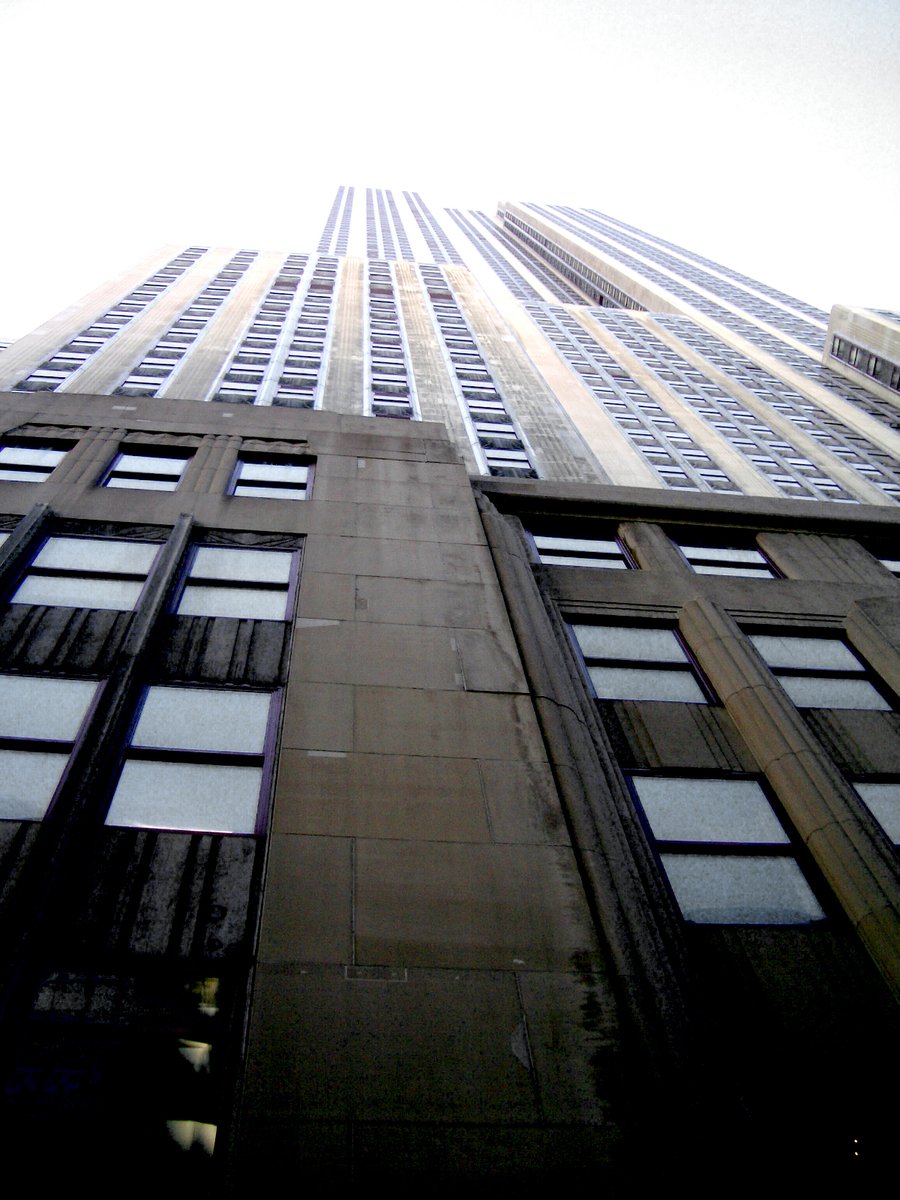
(284, 479)
(874, 365)
(745, 561)
(85, 572)
(196, 757)
(390, 384)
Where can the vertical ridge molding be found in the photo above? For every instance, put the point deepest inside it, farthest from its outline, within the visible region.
(846, 843)
(873, 626)
(18, 548)
(652, 548)
(625, 891)
(48, 883)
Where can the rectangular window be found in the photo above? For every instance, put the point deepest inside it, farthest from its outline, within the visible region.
(196, 762)
(40, 718)
(149, 472)
(632, 662)
(725, 853)
(819, 672)
(29, 464)
(883, 801)
(284, 479)
(605, 553)
(72, 572)
(226, 582)
(746, 562)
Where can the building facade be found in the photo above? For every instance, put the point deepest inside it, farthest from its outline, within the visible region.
(504, 791)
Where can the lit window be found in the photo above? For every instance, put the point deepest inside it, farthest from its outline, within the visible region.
(725, 852)
(196, 761)
(819, 672)
(225, 582)
(727, 560)
(87, 573)
(28, 464)
(150, 472)
(631, 662)
(39, 721)
(883, 801)
(287, 479)
(581, 552)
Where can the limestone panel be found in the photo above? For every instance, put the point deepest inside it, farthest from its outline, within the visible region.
(522, 802)
(307, 910)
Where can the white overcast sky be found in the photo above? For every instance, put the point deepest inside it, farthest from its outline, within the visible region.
(764, 133)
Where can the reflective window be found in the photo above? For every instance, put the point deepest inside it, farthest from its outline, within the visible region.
(288, 479)
(29, 464)
(605, 553)
(87, 573)
(725, 852)
(225, 582)
(747, 562)
(819, 672)
(150, 472)
(40, 718)
(630, 662)
(195, 762)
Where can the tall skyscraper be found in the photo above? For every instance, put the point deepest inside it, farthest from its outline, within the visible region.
(466, 749)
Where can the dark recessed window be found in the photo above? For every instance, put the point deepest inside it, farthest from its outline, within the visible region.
(636, 662)
(725, 853)
(819, 672)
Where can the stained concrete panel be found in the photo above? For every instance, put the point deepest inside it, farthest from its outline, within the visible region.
(401, 656)
(381, 796)
(307, 908)
(428, 602)
(453, 905)
(522, 802)
(318, 716)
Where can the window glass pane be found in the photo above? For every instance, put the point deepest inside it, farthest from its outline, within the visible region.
(884, 801)
(626, 641)
(159, 795)
(256, 566)
(814, 654)
(276, 472)
(595, 546)
(37, 707)
(708, 810)
(198, 601)
(96, 554)
(27, 783)
(559, 560)
(269, 493)
(203, 719)
(74, 592)
(149, 464)
(637, 683)
(812, 692)
(742, 572)
(727, 554)
(146, 485)
(33, 456)
(732, 890)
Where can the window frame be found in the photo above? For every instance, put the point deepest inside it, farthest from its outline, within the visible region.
(598, 560)
(790, 848)
(275, 459)
(689, 667)
(41, 473)
(264, 759)
(737, 569)
(98, 576)
(289, 589)
(865, 672)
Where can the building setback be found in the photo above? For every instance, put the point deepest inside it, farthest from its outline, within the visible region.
(466, 750)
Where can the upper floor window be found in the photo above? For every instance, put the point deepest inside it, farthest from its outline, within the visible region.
(149, 472)
(40, 719)
(636, 662)
(726, 854)
(883, 801)
(284, 479)
(746, 562)
(238, 582)
(29, 463)
(196, 761)
(606, 553)
(74, 572)
(819, 672)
